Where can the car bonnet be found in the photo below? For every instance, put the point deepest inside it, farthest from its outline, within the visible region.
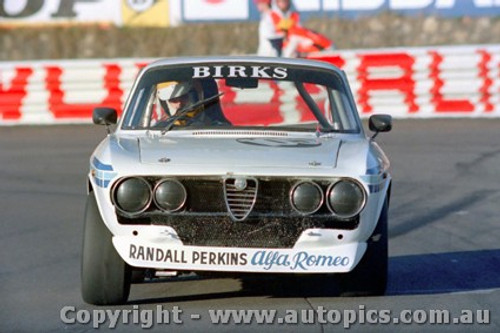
(285, 152)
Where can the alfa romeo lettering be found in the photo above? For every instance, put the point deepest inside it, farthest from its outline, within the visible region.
(302, 261)
(222, 71)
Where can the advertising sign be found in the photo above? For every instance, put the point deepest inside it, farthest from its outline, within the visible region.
(59, 11)
(192, 11)
(145, 13)
(354, 8)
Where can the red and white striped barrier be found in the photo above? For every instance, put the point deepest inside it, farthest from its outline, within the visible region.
(406, 83)
(425, 82)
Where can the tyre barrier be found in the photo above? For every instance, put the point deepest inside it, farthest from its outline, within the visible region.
(404, 82)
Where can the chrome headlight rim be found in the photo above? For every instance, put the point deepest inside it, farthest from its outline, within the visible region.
(317, 186)
(162, 181)
(361, 206)
(114, 190)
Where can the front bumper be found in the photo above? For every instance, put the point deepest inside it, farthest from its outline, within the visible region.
(166, 253)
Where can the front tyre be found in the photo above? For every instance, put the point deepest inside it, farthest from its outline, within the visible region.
(369, 277)
(105, 277)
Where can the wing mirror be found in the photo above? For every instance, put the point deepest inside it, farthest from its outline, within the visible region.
(105, 116)
(380, 123)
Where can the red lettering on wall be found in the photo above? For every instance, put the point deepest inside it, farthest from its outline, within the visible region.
(252, 113)
(487, 82)
(441, 103)
(61, 109)
(405, 83)
(11, 99)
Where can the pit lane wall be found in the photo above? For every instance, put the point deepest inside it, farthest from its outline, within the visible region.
(406, 83)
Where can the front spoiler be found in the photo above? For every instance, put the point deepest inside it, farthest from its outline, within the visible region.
(169, 255)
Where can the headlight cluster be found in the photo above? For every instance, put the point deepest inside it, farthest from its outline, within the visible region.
(344, 198)
(307, 197)
(134, 195)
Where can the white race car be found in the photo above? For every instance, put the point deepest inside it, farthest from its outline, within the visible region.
(237, 165)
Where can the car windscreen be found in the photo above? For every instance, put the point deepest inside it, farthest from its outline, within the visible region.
(240, 96)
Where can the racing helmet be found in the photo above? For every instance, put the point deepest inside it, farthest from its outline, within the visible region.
(184, 89)
(173, 90)
(178, 95)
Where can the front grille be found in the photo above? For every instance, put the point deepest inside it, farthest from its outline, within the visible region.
(240, 195)
(261, 215)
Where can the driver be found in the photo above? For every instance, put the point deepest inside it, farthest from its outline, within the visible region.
(175, 96)
(181, 96)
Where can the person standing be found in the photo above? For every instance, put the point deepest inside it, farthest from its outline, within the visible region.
(297, 40)
(285, 20)
(270, 39)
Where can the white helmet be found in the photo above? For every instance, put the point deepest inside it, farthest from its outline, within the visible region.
(174, 89)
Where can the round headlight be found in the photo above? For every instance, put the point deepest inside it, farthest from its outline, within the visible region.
(306, 197)
(132, 195)
(170, 195)
(345, 198)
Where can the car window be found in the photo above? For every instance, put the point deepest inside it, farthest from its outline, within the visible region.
(240, 96)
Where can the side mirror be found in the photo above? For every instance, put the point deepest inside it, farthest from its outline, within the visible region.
(380, 123)
(104, 116)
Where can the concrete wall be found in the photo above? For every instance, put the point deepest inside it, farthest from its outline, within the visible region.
(385, 30)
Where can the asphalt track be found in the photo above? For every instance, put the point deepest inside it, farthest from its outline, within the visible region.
(444, 238)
